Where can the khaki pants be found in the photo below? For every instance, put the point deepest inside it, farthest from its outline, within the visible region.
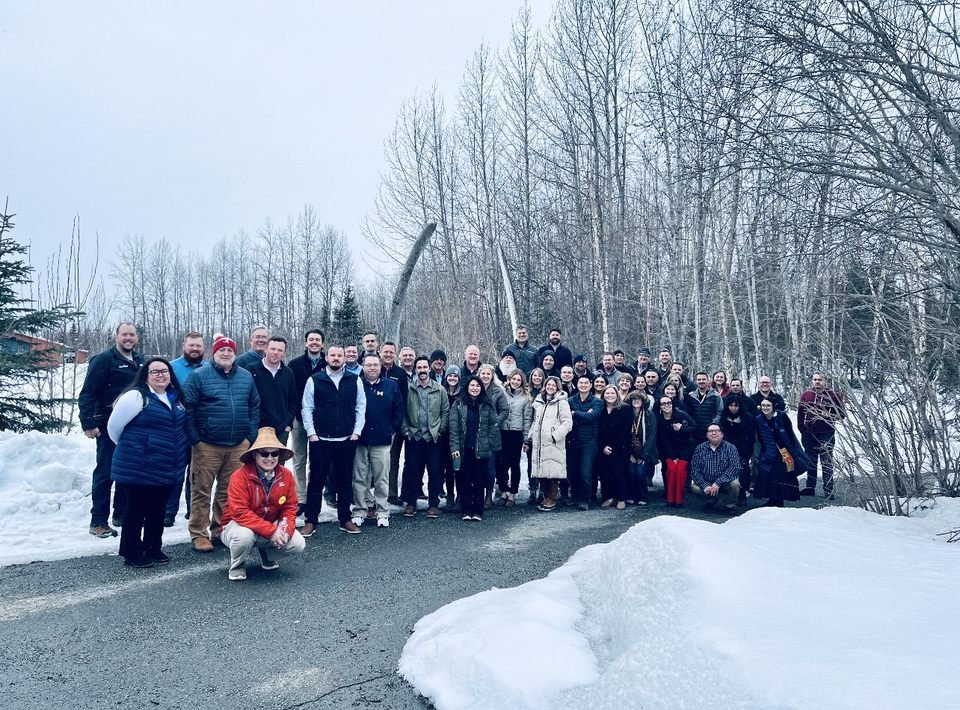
(241, 541)
(298, 436)
(210, 464)
(371, 470)
(726, 496)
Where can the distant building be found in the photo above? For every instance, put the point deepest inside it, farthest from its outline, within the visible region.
(57, 353)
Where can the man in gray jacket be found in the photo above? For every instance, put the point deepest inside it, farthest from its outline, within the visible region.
(223, 412)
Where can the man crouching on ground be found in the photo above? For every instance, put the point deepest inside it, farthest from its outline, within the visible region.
(261, 508)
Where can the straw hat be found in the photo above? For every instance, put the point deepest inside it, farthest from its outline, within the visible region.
(266, 439)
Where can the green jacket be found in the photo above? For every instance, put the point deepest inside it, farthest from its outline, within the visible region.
(438, 411)
(488, 432)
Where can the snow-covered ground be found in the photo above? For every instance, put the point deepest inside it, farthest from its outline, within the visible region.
(794, 608)
(45, 499)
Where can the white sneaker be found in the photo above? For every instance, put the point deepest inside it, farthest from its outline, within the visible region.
(237, 574)
(358, 521)
(383, 522)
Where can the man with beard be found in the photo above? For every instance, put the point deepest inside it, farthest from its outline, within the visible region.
(259, 337)
(304, 367)
(506, 367)
(223, 410)
(607, 370)
(334, 413)
(108, 374)
(580, 366)
(524, 354)
(561, 353)
(183, 367)
(643, 361)
(818, 412)
(666, 361)
(426, 418)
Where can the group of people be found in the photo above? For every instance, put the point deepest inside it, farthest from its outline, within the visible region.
(347, 414)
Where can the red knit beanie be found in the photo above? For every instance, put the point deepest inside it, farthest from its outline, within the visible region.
(223, 342)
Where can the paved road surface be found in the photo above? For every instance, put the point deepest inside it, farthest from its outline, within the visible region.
(324, 631)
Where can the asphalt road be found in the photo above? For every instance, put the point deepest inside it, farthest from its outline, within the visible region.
(325, 630)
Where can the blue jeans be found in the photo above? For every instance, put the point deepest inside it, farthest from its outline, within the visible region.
(637, 474)
(580, 458)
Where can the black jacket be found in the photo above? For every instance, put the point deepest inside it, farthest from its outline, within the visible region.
(108, 374)
(303, 370)
(279, 397)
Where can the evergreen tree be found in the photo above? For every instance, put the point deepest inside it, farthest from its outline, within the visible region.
(19, 411)
(346, 320)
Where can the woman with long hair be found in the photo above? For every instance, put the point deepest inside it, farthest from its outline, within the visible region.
(643, 447)
(451, 383)
(624, 385)
(516, 426)
(473, 431)
(148, 425)
(781, 459)
(546, 440)
(537, 378)
(675, 430)
(613, 448)
(720, 384)
(599, 385)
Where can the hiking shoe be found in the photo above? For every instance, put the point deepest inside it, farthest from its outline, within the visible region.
(116, 521)
(265, 561)
(168, 521)
(548, 504)
(808, 492)
(202, 544)
(433, 512)
(350, 527)
(158, 558)
(237, 574)
(383, 522)
(308, 529)
(410, 511)
(102, 531)
(358, 521)
(138, 562)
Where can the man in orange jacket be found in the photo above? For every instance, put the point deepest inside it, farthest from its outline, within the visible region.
(261, 510)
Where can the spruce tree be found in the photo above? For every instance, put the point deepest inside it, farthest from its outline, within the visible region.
(19, 409)
(346, 320)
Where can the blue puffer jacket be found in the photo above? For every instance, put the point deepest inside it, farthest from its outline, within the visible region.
(222, 409)
(152, 450)
(384, 413)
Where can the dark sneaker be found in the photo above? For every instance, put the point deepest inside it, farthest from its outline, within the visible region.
(308, 529)
(265, 561)
(583, 505)
(168, 521)
(394, 500)
(158, 558)
(138, 562)
(409, 512)
(102, 531)
(116, 521)
(433, 512)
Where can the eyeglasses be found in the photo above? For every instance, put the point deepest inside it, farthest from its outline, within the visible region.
(666, 404)
(158, 373)
(712, 431)
(269, 454)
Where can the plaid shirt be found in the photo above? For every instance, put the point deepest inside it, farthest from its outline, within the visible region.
(709, 465)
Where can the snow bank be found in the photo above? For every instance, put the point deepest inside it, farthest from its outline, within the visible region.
(45, 499)
(794, 608)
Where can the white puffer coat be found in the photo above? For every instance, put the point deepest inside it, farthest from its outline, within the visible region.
(551, 424)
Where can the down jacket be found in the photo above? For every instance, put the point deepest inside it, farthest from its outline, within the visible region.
(152, 447)
(251, 507)
(552, 422)
(223, 408)
(488, 432)
(520, 415)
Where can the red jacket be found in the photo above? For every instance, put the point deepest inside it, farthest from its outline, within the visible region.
(818, 411)
(248, 505)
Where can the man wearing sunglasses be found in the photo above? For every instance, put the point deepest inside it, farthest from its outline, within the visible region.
(261, 508)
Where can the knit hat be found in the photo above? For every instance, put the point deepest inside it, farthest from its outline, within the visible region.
(644, 351)
(438, 355)
(266, 439)
(452, 370)
(223, 342)
(580, 357)
(507, 353)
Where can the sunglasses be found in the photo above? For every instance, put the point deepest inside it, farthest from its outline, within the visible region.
(269, 454)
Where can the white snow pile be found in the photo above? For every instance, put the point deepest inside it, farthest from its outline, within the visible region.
(790, 608)
(45, 499)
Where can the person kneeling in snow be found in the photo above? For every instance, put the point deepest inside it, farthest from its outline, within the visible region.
(261, 509)
(715, 470)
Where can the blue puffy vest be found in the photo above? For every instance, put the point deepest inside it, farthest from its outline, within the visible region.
(152, 450)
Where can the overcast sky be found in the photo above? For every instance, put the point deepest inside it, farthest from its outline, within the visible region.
(192, 120)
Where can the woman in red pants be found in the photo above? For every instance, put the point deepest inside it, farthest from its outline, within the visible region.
(675, 447)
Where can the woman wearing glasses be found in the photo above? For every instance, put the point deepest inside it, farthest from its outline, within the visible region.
(261, 509)
(148, 425)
